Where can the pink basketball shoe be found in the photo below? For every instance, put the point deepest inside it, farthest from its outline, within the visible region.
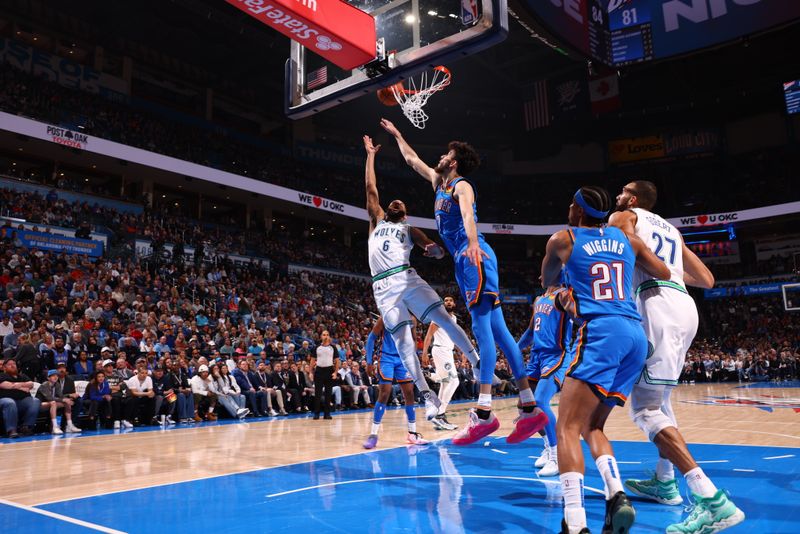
(476, 428)
(526, 425)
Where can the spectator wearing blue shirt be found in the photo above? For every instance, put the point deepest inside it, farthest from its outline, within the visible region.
(84, 367)
(162, 347)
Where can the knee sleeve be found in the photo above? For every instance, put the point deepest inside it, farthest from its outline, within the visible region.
(646, 411)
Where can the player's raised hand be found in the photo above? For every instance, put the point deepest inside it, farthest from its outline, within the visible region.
(369, 146)
(433, 250)
(387, 125)
(475, 253)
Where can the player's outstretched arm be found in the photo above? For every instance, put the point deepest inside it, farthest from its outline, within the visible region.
(374, 209)
(431, 248)
(411, 157)
(557, 253)
(695, 272)
(624, 220)
(647, 260)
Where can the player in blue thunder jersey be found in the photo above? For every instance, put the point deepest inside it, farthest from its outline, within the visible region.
(549, 334)
(477, 276)
(608, 353)
(390, 368)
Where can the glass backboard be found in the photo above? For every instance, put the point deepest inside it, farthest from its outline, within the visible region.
(413, 35)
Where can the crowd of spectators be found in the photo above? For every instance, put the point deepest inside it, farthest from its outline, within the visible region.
(180, 341)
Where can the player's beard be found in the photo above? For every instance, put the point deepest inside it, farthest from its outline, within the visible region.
(395, 215)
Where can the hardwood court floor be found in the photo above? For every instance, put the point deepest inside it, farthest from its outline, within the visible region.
(46, 470)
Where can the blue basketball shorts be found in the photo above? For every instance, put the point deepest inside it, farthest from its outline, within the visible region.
(608, 354)
(478, 281)
(391, 368)
(544, 365)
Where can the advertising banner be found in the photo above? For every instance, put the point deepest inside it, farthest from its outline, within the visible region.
(337, 31)
(636, 149)
(680, 26)
(344, 158)
(59, 243)
(692, 142)
(63, 71)
(743, 291)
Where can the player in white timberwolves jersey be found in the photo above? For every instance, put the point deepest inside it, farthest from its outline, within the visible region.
(669, 317)
(442, 348)
(399, 291)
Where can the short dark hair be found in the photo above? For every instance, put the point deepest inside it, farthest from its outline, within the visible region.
(466, 157)
(598, 198)
(646, 193)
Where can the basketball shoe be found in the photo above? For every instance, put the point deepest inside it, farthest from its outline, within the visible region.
(476, 428)
(709, 515)
(619, 514)
(432, 404)
(527, 424)
(543, 458)
(371, 441)
(665, 492)
(415, 438)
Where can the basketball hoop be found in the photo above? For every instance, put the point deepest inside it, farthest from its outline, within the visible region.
(414, 98)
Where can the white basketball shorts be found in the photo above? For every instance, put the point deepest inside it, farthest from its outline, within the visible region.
(444, 363)
(669, 318)
(402, 294)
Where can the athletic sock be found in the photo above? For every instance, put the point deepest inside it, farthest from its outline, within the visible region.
(553, 453)
(412, 426)
(607, 465)
(485, 401)
(546, 442)
(376, 427)
(699, 483)
(526, 396)
(574, 512)
(665, 471)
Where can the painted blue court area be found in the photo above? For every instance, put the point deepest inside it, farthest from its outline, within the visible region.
(437, 488)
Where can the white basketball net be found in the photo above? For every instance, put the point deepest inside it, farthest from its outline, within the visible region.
(413, 99)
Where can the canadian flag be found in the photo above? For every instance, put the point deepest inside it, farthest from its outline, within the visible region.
(604, 93)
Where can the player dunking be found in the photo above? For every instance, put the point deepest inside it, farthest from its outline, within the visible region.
(398, 289)
(669, 317)
(390, 368)
(549, 333)
(442, 347)
(476, 275)
(609, 351)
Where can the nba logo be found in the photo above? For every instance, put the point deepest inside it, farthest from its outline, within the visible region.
(469, 12)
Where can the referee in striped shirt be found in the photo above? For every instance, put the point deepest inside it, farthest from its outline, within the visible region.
(324, 373)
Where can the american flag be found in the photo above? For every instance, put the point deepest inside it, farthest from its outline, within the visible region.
(317, 77)
(537, 110)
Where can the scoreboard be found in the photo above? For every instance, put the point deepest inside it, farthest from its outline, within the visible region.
(631, 37)
(623, 32)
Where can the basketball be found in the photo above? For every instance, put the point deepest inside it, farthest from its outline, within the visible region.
(386, 95)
